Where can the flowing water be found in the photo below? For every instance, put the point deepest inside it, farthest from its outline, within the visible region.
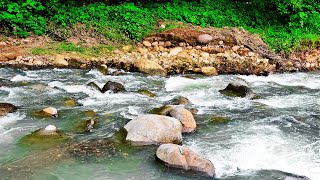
(266, 138)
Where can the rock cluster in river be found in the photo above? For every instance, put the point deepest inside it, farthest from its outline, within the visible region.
(160, 129)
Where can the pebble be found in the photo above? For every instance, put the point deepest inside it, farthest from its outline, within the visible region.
(146, 43)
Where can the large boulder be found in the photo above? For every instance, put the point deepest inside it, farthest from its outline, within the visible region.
(149, 67)
(184, 158)
(114, 87)
(185, 117)
(238, 88)
(6, 108)
(153, 129)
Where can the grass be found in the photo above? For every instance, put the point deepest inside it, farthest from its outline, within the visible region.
(59, 48)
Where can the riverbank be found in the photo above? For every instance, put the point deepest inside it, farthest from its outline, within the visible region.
(175, 51)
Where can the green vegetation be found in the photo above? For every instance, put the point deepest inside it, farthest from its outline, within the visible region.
(284, 25)
(70, 47)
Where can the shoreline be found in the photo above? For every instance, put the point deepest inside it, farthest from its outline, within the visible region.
(176, 51)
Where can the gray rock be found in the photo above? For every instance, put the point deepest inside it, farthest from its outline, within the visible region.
(238, 88)
(113, 86)
(204, 39)
(153, 129)
(184, 158)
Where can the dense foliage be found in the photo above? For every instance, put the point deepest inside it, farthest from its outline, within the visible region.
(283, 23)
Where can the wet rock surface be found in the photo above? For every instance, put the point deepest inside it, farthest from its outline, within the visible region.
(184, 158)
(153, 130)
(238, 88)
(185, 117)
(113, 87)
(6, 108)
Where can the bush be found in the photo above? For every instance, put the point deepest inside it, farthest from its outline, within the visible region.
(282, 23)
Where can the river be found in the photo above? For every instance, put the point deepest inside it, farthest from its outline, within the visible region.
(266, 138)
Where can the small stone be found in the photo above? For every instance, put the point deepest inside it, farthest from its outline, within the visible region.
(59, 60)
(117, 51)
(161, 43)
(142, 50)
(204, 48)
(175, 51)
(38, 63)
(2, 43)
(198, 47)
(51, 128)
(235, 48)
(127, 48)
(220, 55)
(146, 43)
(205, 54)
(182, 44)
(220, 42)
(189, 47)
(162, 26)
(204, 39)
(155, 43)
(251, 54)
(168, 43)
(51, 111)
(243, 52)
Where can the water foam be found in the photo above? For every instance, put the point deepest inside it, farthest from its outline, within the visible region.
(261, 147)
(310, 81)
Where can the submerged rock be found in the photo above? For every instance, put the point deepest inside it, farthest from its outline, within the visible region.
(47, 112)
(180, 100)
(103, 69)
(49, 130)
(185, 117)
(94, 86)
(238, 88)
(164, 110)
(109, 86)
(146, 92)
(184, 158)
(90, 113)
(6, 108)
(45, 138)
(70, 103)
(153, 129)
(113, 86)
(90, 124)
